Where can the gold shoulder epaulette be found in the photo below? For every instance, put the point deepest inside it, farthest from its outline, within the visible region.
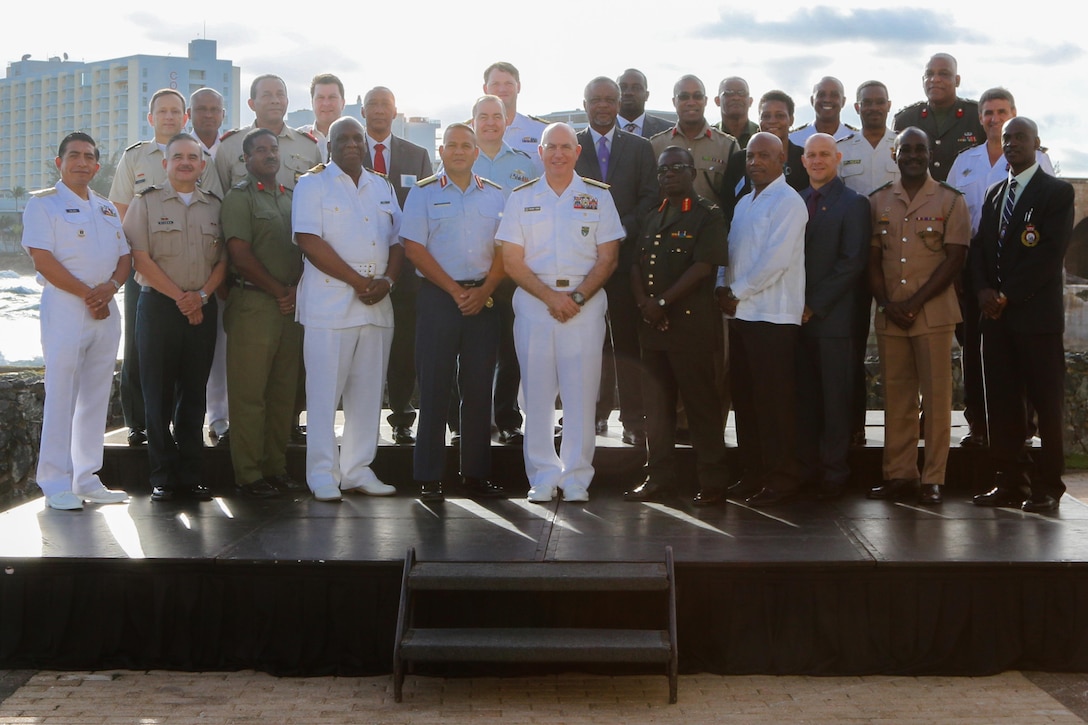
(527, 183)
(316, 169)
(429, 180)
(489, 181)
(135, 145)
(594, 182)
(44, 192)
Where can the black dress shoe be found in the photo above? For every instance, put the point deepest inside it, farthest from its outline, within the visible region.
(602, 426)
(634, 437)
(767, 497)
(430, 491)
(136, 437)
(511, 437)
(298, 435)
(482, 488)
(198, 492)
(402, 435)
(649, 490)
(929, 494)
(743, 488)
(286, 484)
(974, 439)
(1038, 504)
(258, 489)
(998, 496)
(892, 488)
(158, 493)
(709, 497)
(223, 440)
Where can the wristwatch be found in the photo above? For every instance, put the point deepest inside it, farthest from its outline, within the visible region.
(578, 297)
(203, 297)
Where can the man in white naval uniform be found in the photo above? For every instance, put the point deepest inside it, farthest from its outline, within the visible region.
(346, 221)
(560, 236)
(74, 237)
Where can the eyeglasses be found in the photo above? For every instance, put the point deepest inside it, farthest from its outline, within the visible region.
(733, 93)
(675, 168)
(696, 96)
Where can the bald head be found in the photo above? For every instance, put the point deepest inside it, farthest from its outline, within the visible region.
(559, 150)
(764, 159)
(821, 159)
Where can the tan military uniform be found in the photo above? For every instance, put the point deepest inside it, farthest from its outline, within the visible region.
(141, 167)
(711, 150)
(299, 152)
(911, 235)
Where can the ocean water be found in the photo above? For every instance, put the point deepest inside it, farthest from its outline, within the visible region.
(20, 333)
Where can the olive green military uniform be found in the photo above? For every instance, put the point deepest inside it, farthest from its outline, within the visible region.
(682, 358)
(264, 346)
(911, 235)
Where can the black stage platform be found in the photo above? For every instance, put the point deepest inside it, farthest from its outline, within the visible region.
(295, 586)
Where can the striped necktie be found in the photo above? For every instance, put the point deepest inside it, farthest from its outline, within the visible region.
(1006, 218)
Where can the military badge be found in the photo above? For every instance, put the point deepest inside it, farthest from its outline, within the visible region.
(1030, 236)
(585, 201)
(585, 231)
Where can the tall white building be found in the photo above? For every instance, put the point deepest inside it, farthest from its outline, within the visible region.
(41, 101)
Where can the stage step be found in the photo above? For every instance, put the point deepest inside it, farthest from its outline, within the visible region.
(534, 644)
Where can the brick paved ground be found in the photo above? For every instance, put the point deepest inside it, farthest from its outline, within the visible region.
(172, 698)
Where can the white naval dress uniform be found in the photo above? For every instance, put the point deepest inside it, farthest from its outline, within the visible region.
(559, 235)
(346, 343)
(80, 352)
(524, 133)
(864, 168)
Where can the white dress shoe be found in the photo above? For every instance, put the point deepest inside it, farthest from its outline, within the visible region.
(64, 501)
(370, 485)
(104, 495)
(575, 494)
(541, 494)
(327, 493)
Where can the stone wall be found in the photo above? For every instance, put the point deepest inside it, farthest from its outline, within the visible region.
(22, 393)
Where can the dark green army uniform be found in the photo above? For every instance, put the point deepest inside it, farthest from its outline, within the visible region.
(949, 132)
(264, 346)
(682, 358)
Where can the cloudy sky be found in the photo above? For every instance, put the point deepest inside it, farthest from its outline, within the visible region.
(432, 53)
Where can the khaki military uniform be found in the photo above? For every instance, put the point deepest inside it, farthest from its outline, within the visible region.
(264, 346)
(299, 152)
(711, 150)
(911, 235)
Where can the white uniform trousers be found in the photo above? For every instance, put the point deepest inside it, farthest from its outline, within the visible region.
(216, 397)
(564, 359)
(80, 357)
(348, 363)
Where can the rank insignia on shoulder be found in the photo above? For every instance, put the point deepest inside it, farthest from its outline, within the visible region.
(594, 182)
(527, 183)
(489, 182)
(428, 180)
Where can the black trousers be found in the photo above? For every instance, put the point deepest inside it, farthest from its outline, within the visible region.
(1022, 369)
(620, 362)
(400, 377)
(175, 359)
(132, 395)
(762, 371)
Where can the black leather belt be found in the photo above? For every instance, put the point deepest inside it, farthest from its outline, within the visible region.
(470, 283)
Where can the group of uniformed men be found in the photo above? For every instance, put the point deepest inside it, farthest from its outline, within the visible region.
(692, 268)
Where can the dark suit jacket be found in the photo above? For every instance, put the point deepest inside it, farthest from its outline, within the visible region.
(404, 158)
(836, 255)
(632, 176)
(1032, 253)
(654, 124)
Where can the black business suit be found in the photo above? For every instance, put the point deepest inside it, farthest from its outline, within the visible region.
(632, 178)
(405, 159)
(836, 255)
(1022, 351)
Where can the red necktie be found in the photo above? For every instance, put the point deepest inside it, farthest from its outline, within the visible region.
(379, 158)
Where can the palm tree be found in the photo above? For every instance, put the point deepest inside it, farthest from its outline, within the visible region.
(17, 193)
